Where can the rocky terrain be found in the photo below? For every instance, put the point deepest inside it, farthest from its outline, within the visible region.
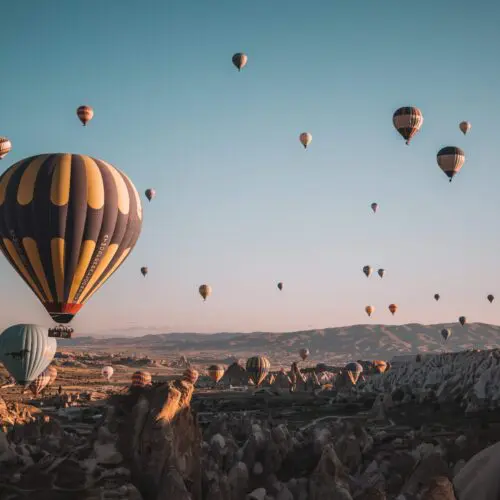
(407, 434)
(332, 345)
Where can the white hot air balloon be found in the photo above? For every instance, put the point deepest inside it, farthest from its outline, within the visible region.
(107, 372)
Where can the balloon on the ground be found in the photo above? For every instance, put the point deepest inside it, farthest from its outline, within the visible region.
(408, 121)
(240, 60)
(42, 381)
(26, 350)
(67, 223)
(379, 366)
(5, 147)
(257, 368)
(85, 114)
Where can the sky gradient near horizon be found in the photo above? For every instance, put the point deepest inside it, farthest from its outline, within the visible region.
(240, 205)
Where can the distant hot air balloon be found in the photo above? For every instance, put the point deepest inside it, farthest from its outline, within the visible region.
(52, 371)
(304, 353)
(240, 60)
(190, 375)
(368, 271)
(393, 308)
(144, 271)
(408, 121)
(437, 296)
(85, 113)
(465, 127)
(446, 334)
(216, 372)
(5, 147)
(141, 379)
(374, 207)
(42, 381)
(462, 320)
(205, 291)
(381, 272)
(107, 372)
(305, 139)
(379, 366)
(150, 194)
(67, 223)
(369, 310)
(491, 298)
(280, 285)
(355, 370)
(26, 350)
(450, 160)
(258, 368)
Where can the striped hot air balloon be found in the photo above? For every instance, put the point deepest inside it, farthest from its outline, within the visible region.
(42, 381)
(215, 372)
(450, 160)
(26, 350)
(67, 223)
(52, 371)
(408, 121)
(5, 147)
(257, 368)
(85, 114)
(191, 375)
(141, 379)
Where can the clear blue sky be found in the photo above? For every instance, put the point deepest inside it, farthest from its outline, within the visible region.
(240, 204)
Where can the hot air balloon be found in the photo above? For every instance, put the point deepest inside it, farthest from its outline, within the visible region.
(42, 381)
(141, 379)
(258, 368)
(304, 353)
(369, 310)
(368, 271)
(107, 372)
(190, 375)
(462, 320)
(436, 297)
(465, 127)
(240, 60)
(393, 308)
(67, 223)
(150, 194)
(215, 372)
(305, 139)
(450, 160)
(280, 285)
(26, 350)
(355, 369)
(144, 271)
(491, 298)
(381, 272)
(446, 334)
(85, 113)
(205, 291)
(52, 371)
(379, 366)
(5, 147)
(407, 121)
(374, 207)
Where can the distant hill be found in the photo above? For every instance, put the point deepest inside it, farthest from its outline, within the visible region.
(360, 341)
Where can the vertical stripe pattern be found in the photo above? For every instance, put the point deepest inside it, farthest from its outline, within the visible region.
(141, 379)
(67, 222)
(407, 121)
(258, 368)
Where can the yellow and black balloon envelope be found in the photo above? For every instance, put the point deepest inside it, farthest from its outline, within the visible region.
(67, 223)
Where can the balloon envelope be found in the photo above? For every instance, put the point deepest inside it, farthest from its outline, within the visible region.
(280, 285)
(374, 207)
(258, 368)
(437, 296)
(450, 160)
(85, 114)
(465, 127)
(26, 350)
(205, 291)
(150, 194)
(305, 139)
(67, 223)
(42, 381)
(215, 372)
(408, 121)
(240, 60)
(5, 147)
(304, 353)
(107, 372)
